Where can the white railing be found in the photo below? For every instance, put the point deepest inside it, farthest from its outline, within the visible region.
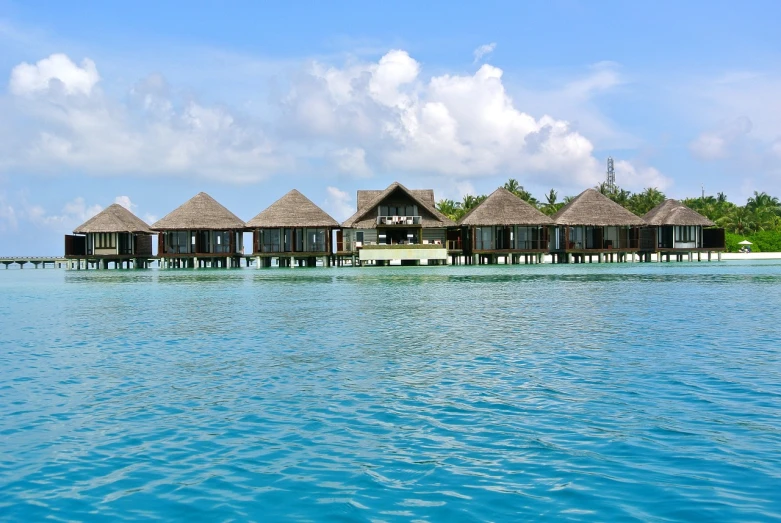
(398, 220)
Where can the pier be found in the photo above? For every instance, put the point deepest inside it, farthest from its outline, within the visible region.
(36, 261)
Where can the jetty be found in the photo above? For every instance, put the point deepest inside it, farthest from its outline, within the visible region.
(37, 261)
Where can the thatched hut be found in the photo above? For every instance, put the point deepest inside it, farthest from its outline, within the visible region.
(673, 228)
(113, 235)
(591, 223)
(504, 225)
(292, 229)
(200, 232)
(398, 224)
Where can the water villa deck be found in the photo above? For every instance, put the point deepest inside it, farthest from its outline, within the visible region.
(200, 233)
(592, 226)
(672, 229)
(294, 231)
(397, 224)
(504, 227)
(114, 235)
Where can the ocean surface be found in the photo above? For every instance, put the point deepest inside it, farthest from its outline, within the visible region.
(632, 392)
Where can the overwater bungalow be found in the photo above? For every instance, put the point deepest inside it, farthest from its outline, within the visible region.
(593, 225)
(294, 231)
(398, 224)
(200, 233)
(676, 230)
(114, 235)
(504, 226)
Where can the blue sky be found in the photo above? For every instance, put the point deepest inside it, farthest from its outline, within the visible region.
(148, 103)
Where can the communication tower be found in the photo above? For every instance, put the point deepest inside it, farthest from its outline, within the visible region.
(611, 174)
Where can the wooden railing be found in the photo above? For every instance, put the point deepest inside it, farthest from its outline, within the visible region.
(398, 220)
(525, 245)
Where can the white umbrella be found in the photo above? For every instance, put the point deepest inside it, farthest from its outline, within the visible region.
(745, 242)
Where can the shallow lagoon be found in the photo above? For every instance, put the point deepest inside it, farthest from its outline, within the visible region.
(580, 392)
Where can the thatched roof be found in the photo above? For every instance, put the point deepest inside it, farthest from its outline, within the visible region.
(114, 218)
(673, 212)
(199, 212)
(594, 208)
(365, 217)
(293, 210)
(504, 208)
(365, 197)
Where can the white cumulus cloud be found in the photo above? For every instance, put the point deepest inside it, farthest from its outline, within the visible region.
(125, 202)
(338, 204)
(457, 126)
(55, 72)
(634, 178)
(65, 121)
(352, 160)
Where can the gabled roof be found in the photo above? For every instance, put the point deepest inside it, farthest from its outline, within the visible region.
(293, 210)
(594, 208)
(673, 212)
(430, 218)
(504, 208)
(114, 218)
(200, 212)
(365, 197)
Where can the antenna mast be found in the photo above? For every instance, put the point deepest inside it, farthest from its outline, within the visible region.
(611, 175)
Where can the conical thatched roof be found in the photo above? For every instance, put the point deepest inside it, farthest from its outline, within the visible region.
(594, 208)
(673, 212)
(293, 210)
(200, 212)
(430, 216)
(114, 218)
(504, 208)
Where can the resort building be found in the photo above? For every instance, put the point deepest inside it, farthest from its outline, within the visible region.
(504, 226)
(114, 235)
(592, 225)
(293, 230)
(200, 233)
(398, 224)
(674, 229)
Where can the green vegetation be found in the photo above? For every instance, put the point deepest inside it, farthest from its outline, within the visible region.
(758, 221)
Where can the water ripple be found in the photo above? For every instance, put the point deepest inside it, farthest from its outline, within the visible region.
(579, 393)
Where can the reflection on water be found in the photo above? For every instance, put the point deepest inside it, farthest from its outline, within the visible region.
(580, 392)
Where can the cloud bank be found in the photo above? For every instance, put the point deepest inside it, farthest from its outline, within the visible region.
(355, 120)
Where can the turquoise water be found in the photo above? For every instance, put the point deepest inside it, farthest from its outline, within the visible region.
(601, 392)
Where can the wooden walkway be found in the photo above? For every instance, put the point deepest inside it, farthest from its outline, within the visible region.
(37, 261)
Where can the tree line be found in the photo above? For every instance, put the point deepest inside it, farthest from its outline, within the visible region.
(758, 219)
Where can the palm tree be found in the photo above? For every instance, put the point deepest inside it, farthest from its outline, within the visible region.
(552, 206)
(451, 209)
(512, 185)
(468, 202)
(641, 203)
(621, 197)
(517, 189)
(739, 221)
(762, 201)
(551, 197)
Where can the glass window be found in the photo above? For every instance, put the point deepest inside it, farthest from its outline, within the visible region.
(270, 240)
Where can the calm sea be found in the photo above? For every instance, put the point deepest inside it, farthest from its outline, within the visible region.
(600, 392)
